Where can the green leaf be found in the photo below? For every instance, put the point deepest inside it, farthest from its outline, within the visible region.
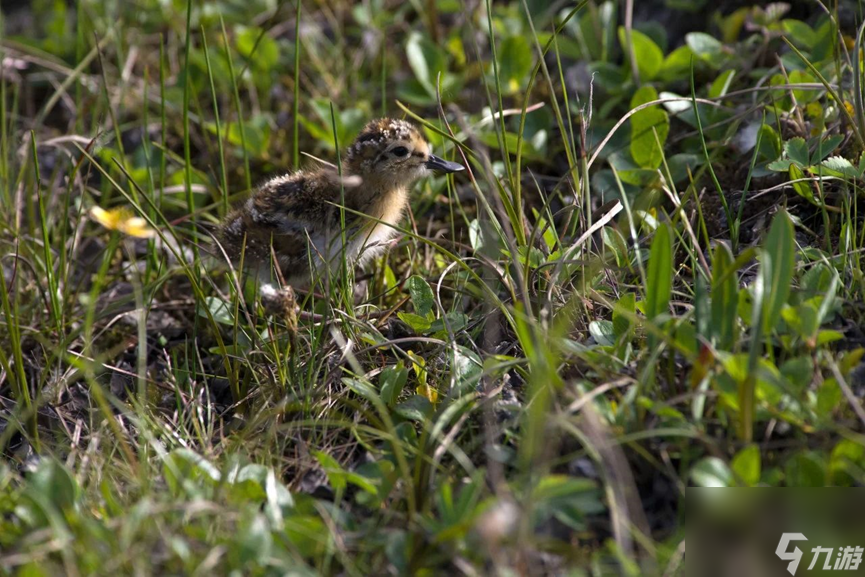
(725, 297)
(418, 324)
(803, 319)
(362, 388)
(456, 321)
(646, 149)
(801, 186)
(825, 147)
(515, 63)
(265, 55)
(779, 259)
(219, 309)
(799, 32)
(426, 61)
(770, 143)
(391, 383)
(52, 483)
(467, 368)
(308, 533)
(622, 323)
(828, 336)
(416, 408)
(602, 332)
(796, 149)
(187, 470)
(747, 465)
(845, 462)
(712, 472)
(721, 84)
(615, 242)
(660, 274)
(805, 470)
(799, 371)
(780, 165)
(677, 64)
(334, 471)
(254, 540)
(421, 295)
(841, 167)
(705, 47)
(256, 135)
(803, 97)
(650, 58)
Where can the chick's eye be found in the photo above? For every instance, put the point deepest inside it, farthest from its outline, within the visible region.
(400, 151)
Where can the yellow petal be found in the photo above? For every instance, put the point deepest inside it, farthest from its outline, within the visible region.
(121, 220)
(137, 227)
(430, 393)
(104, 217)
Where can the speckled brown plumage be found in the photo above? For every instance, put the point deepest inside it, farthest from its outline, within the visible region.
(296, 217)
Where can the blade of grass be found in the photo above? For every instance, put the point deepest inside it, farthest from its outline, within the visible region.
(222, 168)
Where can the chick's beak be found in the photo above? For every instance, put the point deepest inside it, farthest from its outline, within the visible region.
(436, 163)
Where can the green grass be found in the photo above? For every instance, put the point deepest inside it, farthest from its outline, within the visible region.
(565, 337)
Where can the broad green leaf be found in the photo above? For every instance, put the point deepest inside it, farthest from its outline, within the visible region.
(219, 309)
(646, 148)
(602, 332)
(725, 297)
(841, 167)
(845, 462)
(660, 273)
(780, 165)
(677, 64)
(421, 295)
(779, 259)
(799, 371)
(805, 470)
(615, 242)
(824, 148)
(515, 63)
(467, 368)
(52, 483)
(649, 56)
(418, 324)
(722, 84)
(392, 380)
(362, 388)
(308, 534)
(799, 32)
(803, 318)
(803, 97)
(622, 323)
(426, 61)
(258, 47)
(770, 143)
(706, 47)
(254, 540)
(802, 187)
(256, 134)
(829, 336)
(416, 408)
(456, 321)
(712, 472)
(332, 468)
(747, 465)
(796, 149)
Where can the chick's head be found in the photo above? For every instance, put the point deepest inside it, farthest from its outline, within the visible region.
(394, 151)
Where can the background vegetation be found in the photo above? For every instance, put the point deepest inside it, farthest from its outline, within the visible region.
(650, 277)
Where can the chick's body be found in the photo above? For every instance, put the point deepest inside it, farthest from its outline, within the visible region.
(296, 217)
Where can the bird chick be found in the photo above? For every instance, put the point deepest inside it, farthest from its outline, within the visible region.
(296, 217)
